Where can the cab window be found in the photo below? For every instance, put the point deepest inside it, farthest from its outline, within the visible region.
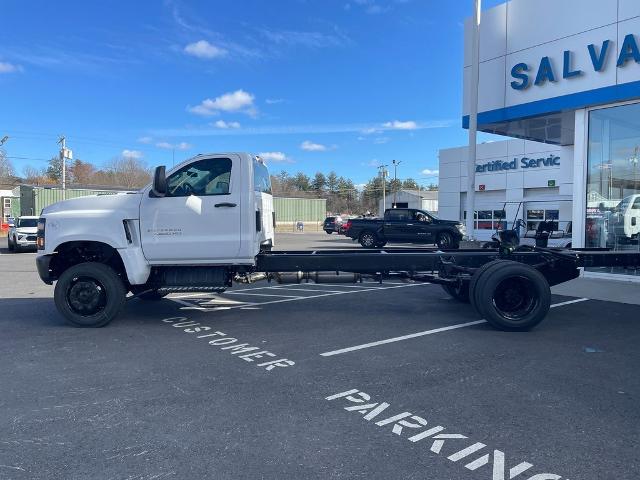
(421, 217)
(261, 179)
(210, 176)
(398, 215)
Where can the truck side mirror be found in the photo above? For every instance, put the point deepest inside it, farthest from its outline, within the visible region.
(159, 188)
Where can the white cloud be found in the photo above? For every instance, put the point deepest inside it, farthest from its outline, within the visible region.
(398, 125)
(223, 124)
(291, 129)
(204, 49)
(312, 147)
(428, 172)
(145, 139)
(132, 153)
(381, 140)
(273, 101)
(6, 67)
(276, 157)
(238, 101)
(172, 146)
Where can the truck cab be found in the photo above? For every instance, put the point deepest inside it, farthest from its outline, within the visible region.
(193, 228)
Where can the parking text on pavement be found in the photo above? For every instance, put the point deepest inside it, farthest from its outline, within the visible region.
(455, 446)
(229, 344)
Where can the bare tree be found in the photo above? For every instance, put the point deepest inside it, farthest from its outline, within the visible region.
(126, 172)
(82, 172)
(7, 172)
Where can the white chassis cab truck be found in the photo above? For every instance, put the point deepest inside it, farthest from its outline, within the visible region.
(209, 222)
(190, 230)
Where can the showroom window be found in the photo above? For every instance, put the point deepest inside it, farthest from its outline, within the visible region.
(488, 219)
(535, 216)
(613, 180)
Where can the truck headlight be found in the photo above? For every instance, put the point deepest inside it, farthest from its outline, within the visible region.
(42, 222)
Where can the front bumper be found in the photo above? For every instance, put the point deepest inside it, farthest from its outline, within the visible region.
(42, 263)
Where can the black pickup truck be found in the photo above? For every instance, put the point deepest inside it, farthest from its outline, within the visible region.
(405, 225)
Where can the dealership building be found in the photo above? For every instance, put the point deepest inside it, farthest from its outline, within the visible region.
(561, 78)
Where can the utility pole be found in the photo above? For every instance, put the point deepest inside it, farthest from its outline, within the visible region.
(383, 173)
(64, 154)
(473, 118)
(395, 181)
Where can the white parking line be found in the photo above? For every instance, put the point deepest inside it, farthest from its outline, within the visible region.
(263, 294)
(426, 332)
(289, 289)
(569, 302)
(296, 299)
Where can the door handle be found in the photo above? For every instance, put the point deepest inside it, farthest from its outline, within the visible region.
(225, 204)
(409, 224)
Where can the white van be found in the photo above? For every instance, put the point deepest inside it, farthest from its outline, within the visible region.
(625, 219)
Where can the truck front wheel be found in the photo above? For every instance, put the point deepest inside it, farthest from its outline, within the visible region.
(512, 296)
(368, 239)
(89, 294)
(446, 241)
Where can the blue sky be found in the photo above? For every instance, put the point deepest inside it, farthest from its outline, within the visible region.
(314, 84)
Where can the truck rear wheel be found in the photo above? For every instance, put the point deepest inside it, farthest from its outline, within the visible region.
(89, 294)
(476, 277)
(368, 239)
(512, 296)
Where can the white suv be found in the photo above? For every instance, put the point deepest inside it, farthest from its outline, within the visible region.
(22, 233)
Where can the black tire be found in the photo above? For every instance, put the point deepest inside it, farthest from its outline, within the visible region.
(445, 241)
(368, 239)
(89, 295)
(328, 232)
(459, 291)
(512, 296)
(476, 277)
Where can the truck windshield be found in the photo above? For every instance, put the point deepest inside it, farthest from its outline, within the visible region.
(27, 222)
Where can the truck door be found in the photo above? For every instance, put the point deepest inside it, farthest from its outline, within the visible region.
(423, 227)
(199, 220)
(396, 224)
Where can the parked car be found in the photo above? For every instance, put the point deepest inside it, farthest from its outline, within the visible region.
(22, 233)
(332, 224)
(625, 220)
(405, 225)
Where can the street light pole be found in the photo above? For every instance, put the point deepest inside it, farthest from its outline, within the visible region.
(383, 173)
(473, 118)
(395, 181)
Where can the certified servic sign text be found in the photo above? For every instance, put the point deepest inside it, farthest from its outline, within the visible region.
(525, 162)
(547, 71)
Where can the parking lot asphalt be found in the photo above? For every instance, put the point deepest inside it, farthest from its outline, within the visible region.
(341, 380)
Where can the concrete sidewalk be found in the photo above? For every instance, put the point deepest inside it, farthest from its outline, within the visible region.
(601, 289)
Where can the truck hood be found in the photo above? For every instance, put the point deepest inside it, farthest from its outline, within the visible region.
(124, 205)
(26, 230)
(449, 222)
